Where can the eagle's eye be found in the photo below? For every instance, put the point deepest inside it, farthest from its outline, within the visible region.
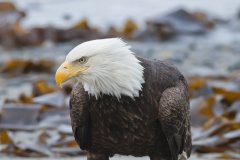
(82, 60)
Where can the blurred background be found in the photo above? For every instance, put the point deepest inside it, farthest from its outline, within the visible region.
(200, 37)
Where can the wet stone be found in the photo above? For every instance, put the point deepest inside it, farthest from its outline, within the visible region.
(176, 22)
(22, 114)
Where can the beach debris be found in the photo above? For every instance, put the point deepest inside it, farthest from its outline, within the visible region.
(215, 116)
(178, 22)
(56, 99)
(161, 27)
(129, 29)
(11, 30)
(41, 87)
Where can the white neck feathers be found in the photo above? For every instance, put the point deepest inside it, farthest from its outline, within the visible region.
(114, 69)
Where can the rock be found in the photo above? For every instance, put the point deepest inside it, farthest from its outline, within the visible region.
(65, 129)
(56, 99)
(197, 119)
(235, 106)
(234, 111)
(234, 67)
(149, 34)
(19, 114)
(203, 18)
(72, 151)
(52, 33)
(162, 31)
(73, 34)
(32, 141)
(179, 22)
(35, 36)
(238, 14)
(54, 118)
(80, 31)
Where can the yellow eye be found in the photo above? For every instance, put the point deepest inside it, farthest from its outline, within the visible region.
(82, 60)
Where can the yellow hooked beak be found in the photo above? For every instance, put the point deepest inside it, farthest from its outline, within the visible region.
(67, 71)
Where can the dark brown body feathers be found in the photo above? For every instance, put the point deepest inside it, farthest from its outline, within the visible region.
(155, 124)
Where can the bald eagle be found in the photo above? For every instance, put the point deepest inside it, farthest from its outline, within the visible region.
(125, 104)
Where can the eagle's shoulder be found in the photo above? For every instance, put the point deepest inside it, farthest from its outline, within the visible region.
(168, 70)
(161, 75)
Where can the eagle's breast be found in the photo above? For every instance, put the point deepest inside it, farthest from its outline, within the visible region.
(124, 126)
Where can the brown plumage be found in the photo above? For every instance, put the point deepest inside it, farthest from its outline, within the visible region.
(155, 124)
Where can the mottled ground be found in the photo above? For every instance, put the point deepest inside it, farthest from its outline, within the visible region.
(85, 158)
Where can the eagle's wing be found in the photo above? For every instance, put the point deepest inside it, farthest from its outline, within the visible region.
(80, 118)
(175, 119)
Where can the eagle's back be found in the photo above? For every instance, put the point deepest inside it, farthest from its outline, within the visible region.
(125, 126)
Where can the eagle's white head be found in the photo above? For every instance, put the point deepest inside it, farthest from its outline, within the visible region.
(105, 66)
